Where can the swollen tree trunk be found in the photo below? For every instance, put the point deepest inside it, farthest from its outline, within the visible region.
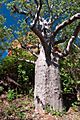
(47, 83)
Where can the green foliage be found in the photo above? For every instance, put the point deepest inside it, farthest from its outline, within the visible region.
(21, 115)
(50, 110)
(69, 71)
(75, 105)
(25, 76)
(1, 89)
(23, 54)
(7, 65)
(23, 79)
(67, 81)
(20, 71)
(5, 35)
(22, 74)
(11, 95)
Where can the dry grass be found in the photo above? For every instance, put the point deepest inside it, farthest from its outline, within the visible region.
(22, 108)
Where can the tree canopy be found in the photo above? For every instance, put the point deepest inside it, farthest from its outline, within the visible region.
(58, 21)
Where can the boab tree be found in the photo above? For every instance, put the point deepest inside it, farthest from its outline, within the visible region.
(54, 22)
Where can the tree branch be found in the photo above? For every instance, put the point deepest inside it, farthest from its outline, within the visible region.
(28, 61)
(39, 34)
(10, 80)
(33, 53)
(39, 7)
(65, 23)
(60, 41)
(75, 34)
(36, 2)
(73, 37)
(28, 48)
(33, 26)
(76, 46)
(48, 6)
(18, 11)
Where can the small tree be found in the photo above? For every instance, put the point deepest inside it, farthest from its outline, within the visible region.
(54, 22)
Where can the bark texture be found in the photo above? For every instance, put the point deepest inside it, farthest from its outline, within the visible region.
(47, 83)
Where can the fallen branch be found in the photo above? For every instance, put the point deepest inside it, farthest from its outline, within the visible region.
(2, 83)
(10, 80)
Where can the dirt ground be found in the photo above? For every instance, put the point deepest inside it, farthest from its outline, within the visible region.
(22, 108)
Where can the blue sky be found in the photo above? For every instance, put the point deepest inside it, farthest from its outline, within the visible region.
(10, 20)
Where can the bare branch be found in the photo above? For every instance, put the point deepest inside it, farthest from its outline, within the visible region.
(28, 61)
(37, 15)
(27, 48)
(2, 83)
(76, 46)
(73, 37)
(10, 80)
(33, 26)
(65, 23)
(33, 53)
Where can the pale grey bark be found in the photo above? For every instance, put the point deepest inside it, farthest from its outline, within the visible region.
(47, 83)
(47, 78)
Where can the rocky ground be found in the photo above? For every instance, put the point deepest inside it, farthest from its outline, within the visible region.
(22, 108)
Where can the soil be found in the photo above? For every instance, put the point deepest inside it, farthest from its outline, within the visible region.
(22, 108)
